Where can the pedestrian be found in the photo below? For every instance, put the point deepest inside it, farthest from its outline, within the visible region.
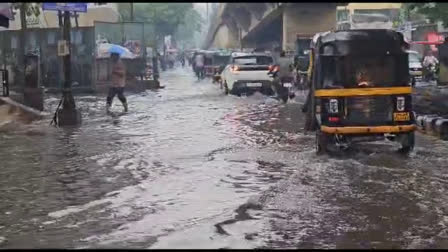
(430, 59)
(199, 65)
(118, 82)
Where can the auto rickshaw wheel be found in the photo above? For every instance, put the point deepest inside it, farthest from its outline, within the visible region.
(407, 142)
(322, 142)
(226, 88)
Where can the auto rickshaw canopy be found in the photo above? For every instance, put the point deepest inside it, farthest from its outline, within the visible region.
(343, 59)
(359, 42)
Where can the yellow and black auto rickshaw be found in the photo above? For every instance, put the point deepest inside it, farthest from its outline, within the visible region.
(215, 62)
(360, 89)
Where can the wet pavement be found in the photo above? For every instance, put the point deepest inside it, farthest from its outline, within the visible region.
(189, 167)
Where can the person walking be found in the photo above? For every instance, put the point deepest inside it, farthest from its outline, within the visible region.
(199, 66)
(118, 82)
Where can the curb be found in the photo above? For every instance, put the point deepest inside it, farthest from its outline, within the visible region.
(433, 125)
(29, 113)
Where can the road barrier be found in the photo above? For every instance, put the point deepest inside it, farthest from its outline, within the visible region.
(433, 125)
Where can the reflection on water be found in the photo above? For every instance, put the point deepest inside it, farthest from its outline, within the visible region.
(189, 167)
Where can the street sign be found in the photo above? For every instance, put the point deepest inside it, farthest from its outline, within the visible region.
(78, 7)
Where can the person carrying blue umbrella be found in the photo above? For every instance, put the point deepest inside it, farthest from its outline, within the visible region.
(118, 80)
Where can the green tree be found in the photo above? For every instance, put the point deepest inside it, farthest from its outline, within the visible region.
(437, 11)
(193, 23)
(166, 17)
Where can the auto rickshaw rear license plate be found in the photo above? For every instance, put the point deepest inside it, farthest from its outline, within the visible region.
(254, 84)
(402, 116)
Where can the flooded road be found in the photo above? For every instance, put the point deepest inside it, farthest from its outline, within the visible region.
(189, 167)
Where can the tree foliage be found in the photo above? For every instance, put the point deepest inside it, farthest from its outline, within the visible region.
(436, 11)
(192, 23)
(166, 17)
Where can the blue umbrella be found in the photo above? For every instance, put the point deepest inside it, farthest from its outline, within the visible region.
(117, 49)
(106, 49)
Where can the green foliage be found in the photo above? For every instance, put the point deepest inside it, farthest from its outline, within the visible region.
(166, 17)
(192, 23)
(436, 11)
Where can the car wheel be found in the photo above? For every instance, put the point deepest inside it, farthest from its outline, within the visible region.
(226, 88)
(322, 141)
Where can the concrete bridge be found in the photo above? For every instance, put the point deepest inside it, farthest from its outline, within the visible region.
(268, 25)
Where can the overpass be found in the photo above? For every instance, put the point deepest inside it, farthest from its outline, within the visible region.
(268, 25)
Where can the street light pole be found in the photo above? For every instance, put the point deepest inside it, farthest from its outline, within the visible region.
(132, 12)
(69, 102)
(68, 115)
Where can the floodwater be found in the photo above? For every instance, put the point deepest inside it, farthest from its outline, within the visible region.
(189, 167)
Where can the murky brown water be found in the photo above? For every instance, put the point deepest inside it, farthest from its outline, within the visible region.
(191, 168)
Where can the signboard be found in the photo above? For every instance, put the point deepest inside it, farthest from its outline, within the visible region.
(63, 48)
(78, 7)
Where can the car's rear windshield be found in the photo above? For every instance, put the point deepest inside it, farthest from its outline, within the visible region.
(413, 57)
(253, 60)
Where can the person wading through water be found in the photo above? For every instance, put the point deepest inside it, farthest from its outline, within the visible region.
(118, 82)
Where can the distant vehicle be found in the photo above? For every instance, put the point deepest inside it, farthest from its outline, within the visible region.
(302, 59)
(215, 62)
(415, 67)
(366, 21)
(248, 73)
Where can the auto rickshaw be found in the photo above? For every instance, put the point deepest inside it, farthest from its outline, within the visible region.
(301, 59)
(220, 59)
(208, 63)
(360, 89)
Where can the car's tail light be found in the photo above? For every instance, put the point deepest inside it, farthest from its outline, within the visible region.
(235, 68)
(333, 106)
(273, 68)
(400, 103)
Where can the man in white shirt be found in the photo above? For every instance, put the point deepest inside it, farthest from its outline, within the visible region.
(199, 65)
(430, 60)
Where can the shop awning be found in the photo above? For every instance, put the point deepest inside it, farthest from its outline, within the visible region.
(5, 14)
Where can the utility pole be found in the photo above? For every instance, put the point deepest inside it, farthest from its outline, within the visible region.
(68, 115)
(22, 47)
(132, 12)
(207, 14)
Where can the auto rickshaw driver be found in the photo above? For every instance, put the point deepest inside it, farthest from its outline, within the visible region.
(363, 78)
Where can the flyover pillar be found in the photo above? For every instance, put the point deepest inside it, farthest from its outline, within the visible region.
(308, 18)
(225, 38)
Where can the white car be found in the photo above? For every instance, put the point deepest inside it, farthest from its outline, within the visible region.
(247, 73)
(415, 67)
